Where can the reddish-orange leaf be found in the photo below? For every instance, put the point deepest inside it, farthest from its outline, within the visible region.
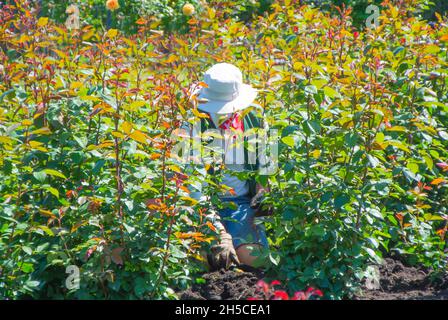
(141, 21)
(203, 84)
(211, 226)
(166, 125)
(444, 38)
(155, 156)
(438, 181)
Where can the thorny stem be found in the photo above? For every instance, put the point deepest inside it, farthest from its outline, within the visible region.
(167, 247)
(119, 207)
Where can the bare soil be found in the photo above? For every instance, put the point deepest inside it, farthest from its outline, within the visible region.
(224, 285)
(400, 282)
(397, 282)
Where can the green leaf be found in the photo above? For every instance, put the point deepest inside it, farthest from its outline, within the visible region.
(136, 105)
(431, 217)
(341, 201)
(27, 267)
(128, 228)
(375, 213)
(413, 167)
(10, 92)
(319, 83)
(383, 234)
(53, 191)
(374, 242)
(373, 254)
(289, 141)
(40, 176)
(374, 162)
(46, 230)
(32, 284)
(331, 93)
(443, 135)
(379, 137)
(82, 141)
(27, 250)
(432, 49)
(434, 154)
(311, 127)
(140, 287)
(177, 253)
(317, 230)
(398, 144)
(311, 89)
(98, 165)
(398, 50)
(289, 214)
(42, 247)
(54, 173)
(429, 162)
(274, 258)
(351, 139)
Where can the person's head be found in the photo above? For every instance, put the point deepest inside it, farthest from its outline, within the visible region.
(225, 92)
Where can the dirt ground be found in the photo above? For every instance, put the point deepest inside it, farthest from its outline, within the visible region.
(224, 285)
(397, 282)
(400, 282)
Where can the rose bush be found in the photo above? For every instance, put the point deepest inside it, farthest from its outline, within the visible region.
(88, 180)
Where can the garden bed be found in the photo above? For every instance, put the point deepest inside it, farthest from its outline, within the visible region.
(224, 285)
(396, 282)
(401, 282)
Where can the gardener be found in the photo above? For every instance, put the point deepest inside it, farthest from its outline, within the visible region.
(226, 102)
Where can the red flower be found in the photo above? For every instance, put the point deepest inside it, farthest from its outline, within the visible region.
(310, 290)
(263, 285)
(296, 29)
(234, 123)
(271, 294)
(355, 35)
(313, 292)
(299, 295)
(318, 293)
(275, 283)
(281, 295)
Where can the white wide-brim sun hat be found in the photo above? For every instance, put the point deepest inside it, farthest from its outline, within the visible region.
(225, 92)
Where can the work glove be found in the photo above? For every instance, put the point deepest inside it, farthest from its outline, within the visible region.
(261, 209)
(223, 254)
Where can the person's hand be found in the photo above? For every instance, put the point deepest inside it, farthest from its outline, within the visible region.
(223, 254)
